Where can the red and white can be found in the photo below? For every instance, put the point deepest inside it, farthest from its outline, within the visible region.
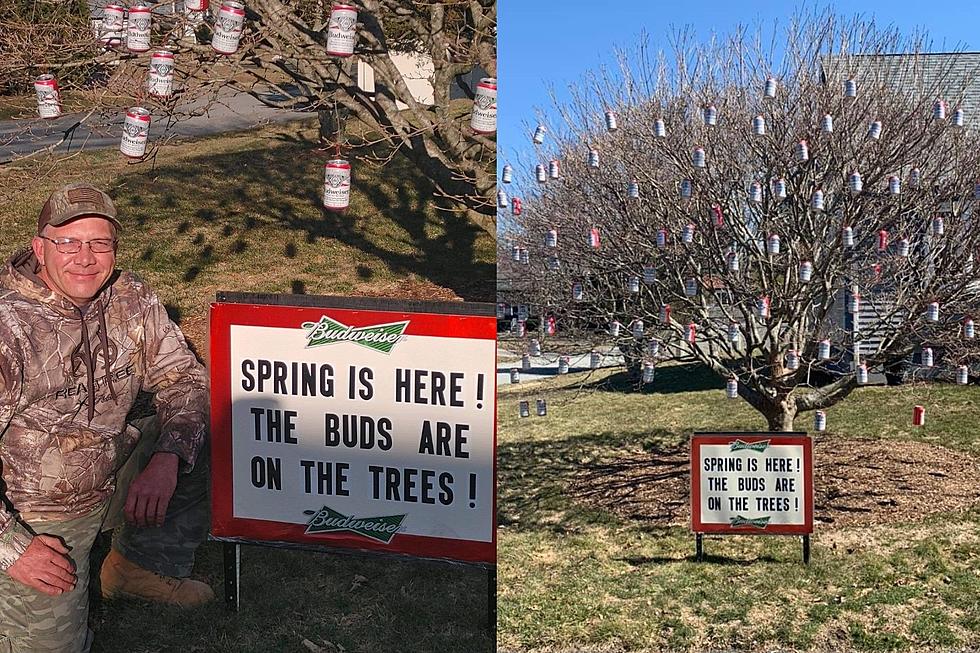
(827, 123)
(806, 272)
(524, 409)
(637, 327)
(649, 371)
(690, 287)
(525, 362)
(687, 188)
(850, 88)
(969, 331)
(649, 274)
(113, 16)
(792, 360)
(614, 328)
(196, 5)
(554, 169)
(594, 359)
(755, 192)
(710, 115)
(515, 375)
(823, 350)
(534, 347)
(939, 110)
(228, 27)
(691, 333)
(927, 357)
(874, 130)
(540, 173)
(483, 120)
(594, 238)
(661, 238)
(665, 313)
(938, 226)
(847, 237)
(541, 407)
(855, 182)
(161, 81)
(731, 388)
(660, 128)
(563, 364)
(342, 30)
(612, 123)
(962, 375)
(802, 151)
(918, 416)
(762, 307)
(770, 90)
(515, 206)
(48, 96)
(904, 247)
(820, 421)
(136, 132)
(882, 240)
(138, 28)
(593, 158)
(633, 285)
(578, 291)
(687, 234)
(336, 185)
(862, 374)
(538, 136)
(551, 238)
(773, 244)
(759, 126)
(894, 185)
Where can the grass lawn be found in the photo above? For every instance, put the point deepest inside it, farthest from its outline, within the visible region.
(242, 213)
(596, 552)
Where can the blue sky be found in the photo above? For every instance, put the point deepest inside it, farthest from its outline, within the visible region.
(548, 44)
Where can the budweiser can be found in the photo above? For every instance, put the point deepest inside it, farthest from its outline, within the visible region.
(969, 332)
(633, 190)
(697, 158)
(538, 137)
(779, 188)
(660, 128)
(139, 28)
(593, 158)
(927, 359)
(637, 328)
(551, 325)
(731, 388)
(515, 253)
(48, 96)
(526, 362)
(862, 374)
(904, 247)
(770, 90)
(792, 360)
(755, 192)
(820, 421)
(196, 5)
(847, 237)
(614, 328)
(938, 227)
(661, 238)
(501, 199)
(578, 293)
(827, 124)
(718, 215)
(894, 185)
(342, 31)
(515, 375)
(542, 407)
(915, 177)
(483, 120)
(690, 287)
(507, 176)
(816, 201)
(850, 88)
(112, 24)
(563, 364)
(525, 256)
(686, 188)
(161, 80)
(524, 409)
(691, 333)
(540, 173)
(594, 238)
(687, 233)
(521, 328)
(501, 311)
(802, 151)
(551, 238)
(882, 240)
(633, 285)
(733, 262)
(806, 272)
(958, 117)
(653, 348)
(515, 206)
(874, 130)
(759, 126)
(962, 375)
(918, 416)
(611, 123)
(553, 263)
(710, 115)
(733, 332)
(136, 131)
(939, 110)
(553, 169)
(762, 306)
(649, 273)
(823, 350)
(854, 182)
(854, 302)
(665, 313)
(774, 244)
(594, 359)
(648, 372)
(534, 347)
(336, 185)
(228, 27)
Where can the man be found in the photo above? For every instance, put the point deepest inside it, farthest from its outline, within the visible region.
(78, 342)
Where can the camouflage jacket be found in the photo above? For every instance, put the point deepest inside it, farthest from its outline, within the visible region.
(60, 443)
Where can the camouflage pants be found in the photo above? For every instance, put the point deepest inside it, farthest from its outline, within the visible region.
(31, 621)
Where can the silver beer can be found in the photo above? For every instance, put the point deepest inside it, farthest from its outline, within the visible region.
(538, 137)
(138, 28)
(48, 96)
(483, 120)
(342, 31)
(228, 27)
(136, 132)
(336, 185)
(161, 80)
(507, 175)
(820, 421)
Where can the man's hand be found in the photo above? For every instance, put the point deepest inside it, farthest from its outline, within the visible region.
(150, 492)
(45, 566)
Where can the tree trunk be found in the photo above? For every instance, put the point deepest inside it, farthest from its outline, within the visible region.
(780, 416)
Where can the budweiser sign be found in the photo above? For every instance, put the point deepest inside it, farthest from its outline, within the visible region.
(328, 520)
(379, 337)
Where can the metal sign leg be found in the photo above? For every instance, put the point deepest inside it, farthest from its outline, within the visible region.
(806, 549)
(699, 547)
(492, 605)
(233, 565)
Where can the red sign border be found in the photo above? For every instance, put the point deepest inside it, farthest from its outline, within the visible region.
(780, 438)
(223, 315)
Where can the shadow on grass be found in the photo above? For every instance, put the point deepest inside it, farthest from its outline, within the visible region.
(670, 379)
(727, 561)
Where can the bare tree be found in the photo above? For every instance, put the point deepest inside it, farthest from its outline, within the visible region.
(788, 225)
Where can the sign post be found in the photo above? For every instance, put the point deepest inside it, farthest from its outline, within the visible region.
(353, 424)
(752, 484)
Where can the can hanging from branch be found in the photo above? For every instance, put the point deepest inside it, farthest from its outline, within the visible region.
(136, 132)
(541, 407)
(501, 199)
(336, 185)
(850, 88)
(593, 158)
(483, 119)
(515, 253)
(612, 123)
(802, 152)
(733, 332)
(637, 328)
(521, 328)
(759, 126)
(938, 227)
(731, 388)
(710, 115)
(196, 5)
(228, 27)
(816, 200)
(918, 416)
(733, 261)
(614, 328)
(969, 331)
(719, 217)
(594, 238)
(847, 237)
(633, 190)
(687, 234)
(806, 272)
(862, 374)
(665, 313)
(594, 359)
(538, 137)
(690, 287)
(927, 358)
(515, 375)
(524, 409)
(932, 312)
(820, 421)
(774, 244)
(138, 28)
(554, 169)
(553, 263)
(526, 363)
(113, 16)
(551, 326)
(882, 240)
(874, 130)
(894, 185)
(779, 188)
(515, 206)
(525, 256)
(653, 348)
(854, 302)
(342, 33)
(578, 292)
(915, 177)
(48, 96)
(534, 347)
(507, 176)
(792, 360)
(660, 128)
(649, 273)
(762, 307)
(939, 110)
(904, 247)
(959, 117)
(827, 123)
(686, 188)
(823, 350)
(661, 238)
(697, 158)
(770, 90)
(855, 183)
(551, 238)
(563, 364)
(540, 173)
(755, 192)
(648, 372)
(962, 375)
(161, 80)
(691, 333)
(633, 285)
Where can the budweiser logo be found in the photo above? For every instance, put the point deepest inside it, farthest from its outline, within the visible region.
(758, 522)
(328, 520)
(133, 130)
(230, 24)
(344, 23)
(738, 445)
(140, 24)
(485, 102)
(335, 180)
(380, 337)
(162, 69)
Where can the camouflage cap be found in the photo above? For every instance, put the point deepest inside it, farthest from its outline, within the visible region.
(76, 201)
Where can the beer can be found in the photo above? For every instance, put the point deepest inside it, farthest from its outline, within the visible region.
(779, 188)
(578, 293)
(649, 372)
(653, 348)
(515, 206)
(525, 256)
(660, 128)
(762, 306)
(755, 192)
(823, 350)
(733, 262)
(48, 96)
(228, 27)
(939, 110)
(774, 244)
(665, 313)
(904, 247)
(820, 421)
(854, 302)
(507, 176)
(611, 121)
(551, 325)
(563, 364)
(962, 375)
(161, 80)
(806, 272)
(710, 115)
(927, 358)
(342, 32)
(542, 407)
(637, 327)
(649, 273)
(614, 328)
(915, 177)
(540, 173)
(594, 359)
(969, 331)
(862, 374)
(918, 416)
(113, 16)
(526, 362)
(759, 126)
(551, 238)
(850, 88)
(553, 169)
(770, 90)
(854, 182)
(336, 184)
(633, 284)
(959, 117)
(501, 311)
(691, 333)
(697, 158)
(882, 240)
(521, 328)
(534, 347)
(938, 226)
(690, 287)
(483, 119)
(874, 130)
(687, 188)
(731, 388)
(502, 199)
(687, 233)
(792, 360)
(593, 158)
(719, 217)
(515, 375)
(524, 409)
(827, 124)
(633, 190)
(661, 238)
(553, 263)
(196, 5)
(734, 333)
(894, 185)
(594, 238)
(847, 237)
(136, 132)
(802, 151)
(538, 137)
(138, 28)
(515, 252)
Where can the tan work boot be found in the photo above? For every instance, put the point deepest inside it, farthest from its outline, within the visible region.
(120, 577)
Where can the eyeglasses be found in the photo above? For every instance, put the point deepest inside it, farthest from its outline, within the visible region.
(74, 246)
